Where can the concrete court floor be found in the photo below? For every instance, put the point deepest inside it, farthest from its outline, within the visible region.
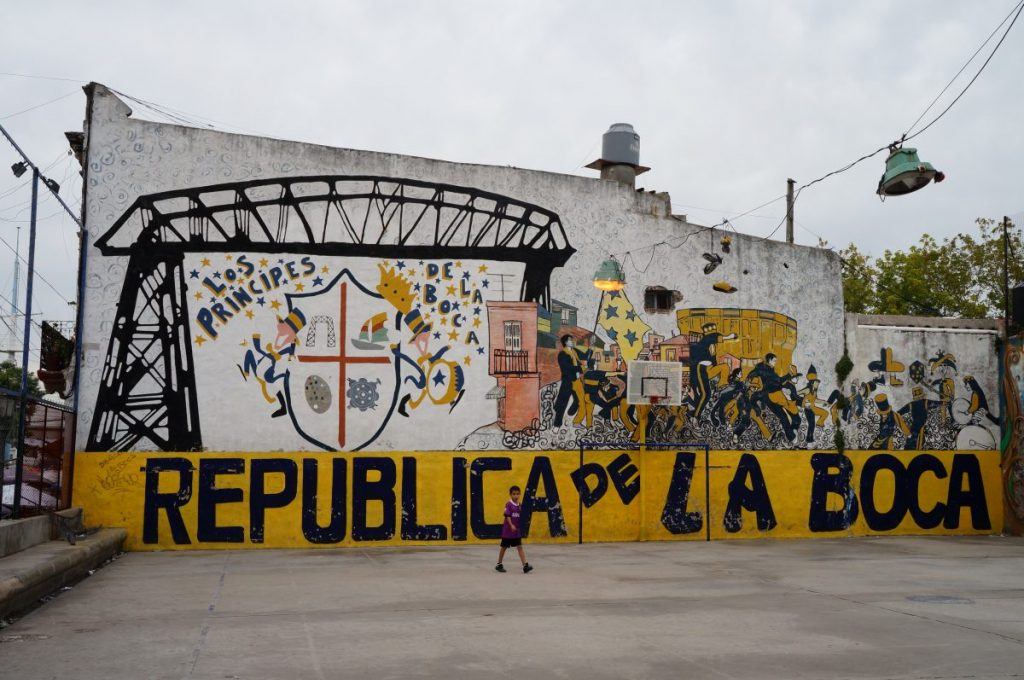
(836, 608)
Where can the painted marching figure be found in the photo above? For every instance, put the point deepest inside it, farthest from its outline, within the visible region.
(978, 401)
(262, 360)
(569, 367)
(813, 412)
(915, 415)
(888, 423)
(704, 366)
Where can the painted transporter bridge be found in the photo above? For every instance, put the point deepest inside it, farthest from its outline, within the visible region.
(148, 393)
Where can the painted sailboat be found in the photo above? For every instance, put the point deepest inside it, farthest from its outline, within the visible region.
(373, 334)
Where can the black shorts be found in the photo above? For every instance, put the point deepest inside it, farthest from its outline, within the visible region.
(511, 542)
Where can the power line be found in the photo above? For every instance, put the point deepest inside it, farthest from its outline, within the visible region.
(39, 106)
(35, 77)
(41, 277)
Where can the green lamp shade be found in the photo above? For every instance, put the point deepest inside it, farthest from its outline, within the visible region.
(905, 172)
(609, 276)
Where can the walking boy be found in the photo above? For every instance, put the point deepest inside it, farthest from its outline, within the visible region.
(510, 534)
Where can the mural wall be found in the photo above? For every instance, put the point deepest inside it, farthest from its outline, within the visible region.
(252, 294)
(917, 388)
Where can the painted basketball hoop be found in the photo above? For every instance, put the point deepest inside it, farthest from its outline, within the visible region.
(655, 383)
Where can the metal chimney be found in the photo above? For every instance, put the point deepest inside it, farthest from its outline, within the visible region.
(620, 155)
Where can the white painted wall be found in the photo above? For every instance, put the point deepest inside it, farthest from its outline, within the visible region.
(128, 158)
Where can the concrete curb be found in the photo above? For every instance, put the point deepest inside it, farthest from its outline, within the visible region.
(42, 569)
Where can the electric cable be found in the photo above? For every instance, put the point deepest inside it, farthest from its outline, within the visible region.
(36, 273)
(39, 106)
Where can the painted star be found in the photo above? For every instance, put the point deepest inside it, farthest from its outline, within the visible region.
(458, 263)
(631, 337)
(437, 281)
(465, 275)
(439, 378)
(611, 312)
(325, 269)
(249, 314)
(216, 275)
(280, 261)
(485, 283)
(205, 262)
(455, 305)
(453, 335)
(476, 310)
(614, 294)
(630, 315)
(213, 299)
(482, 269)
(299, 287)
(229, 257)
(317, 281)
(451, 290)
(400, 264)
(437, 335)
(200, 340)
(274, 304)
(480, 350)
(476, 323)
(264, 262)
(260, 301)
(416, 287)
(199, 295)
(194, 274)
(444, 320)
(613, 334)
(466, 360)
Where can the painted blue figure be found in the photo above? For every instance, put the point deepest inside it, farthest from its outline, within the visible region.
(785, 410)
(915, 415)
(978, 400)
(704, 366)
(262, 361)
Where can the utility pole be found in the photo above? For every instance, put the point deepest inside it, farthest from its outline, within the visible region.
(19, 461)
(789, 210)
(1006, 283)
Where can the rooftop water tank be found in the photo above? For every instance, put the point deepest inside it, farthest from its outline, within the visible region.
(621, 144)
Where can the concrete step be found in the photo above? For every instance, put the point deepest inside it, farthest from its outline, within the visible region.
(41, 569)
(20, 534)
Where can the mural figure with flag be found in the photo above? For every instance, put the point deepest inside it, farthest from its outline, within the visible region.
(617, 316)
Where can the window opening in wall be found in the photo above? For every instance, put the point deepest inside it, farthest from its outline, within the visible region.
(658, 299)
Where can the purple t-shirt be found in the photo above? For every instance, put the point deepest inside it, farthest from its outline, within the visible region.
(510, 528)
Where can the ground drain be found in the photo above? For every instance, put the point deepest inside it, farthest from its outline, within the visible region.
(940, 599)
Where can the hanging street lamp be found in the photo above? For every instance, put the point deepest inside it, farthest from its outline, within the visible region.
(905, 173)
(609, 276)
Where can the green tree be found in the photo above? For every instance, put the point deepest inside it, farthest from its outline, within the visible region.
(961, 276)
(10, 377)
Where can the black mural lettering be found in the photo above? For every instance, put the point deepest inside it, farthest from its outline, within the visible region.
(334, 532)
(411, 530)
(752, 499)
(364, 491)
(674, 516)
(589, 495)
(460, 514)
(825, 482)
(891, 518)
(210, 497)
(625, 477)
(541, 472)
(260, 500)
(481, 529)
(926, 462)
(170, 502)
(965, 466)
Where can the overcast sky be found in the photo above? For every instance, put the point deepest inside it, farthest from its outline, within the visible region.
(730, 98)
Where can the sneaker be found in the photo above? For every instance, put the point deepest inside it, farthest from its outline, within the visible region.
(499, 567)
(526, 568)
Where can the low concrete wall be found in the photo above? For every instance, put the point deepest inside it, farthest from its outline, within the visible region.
(19, 534)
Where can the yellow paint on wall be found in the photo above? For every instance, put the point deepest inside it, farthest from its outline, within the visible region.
(634, 495)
